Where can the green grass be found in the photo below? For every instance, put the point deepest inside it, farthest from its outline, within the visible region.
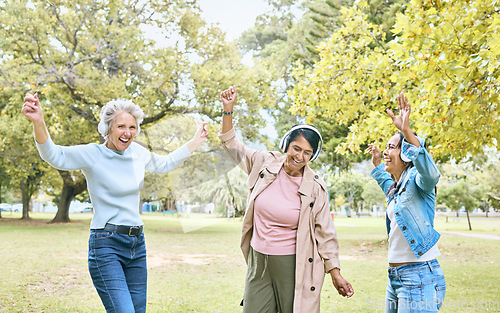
(44, 266)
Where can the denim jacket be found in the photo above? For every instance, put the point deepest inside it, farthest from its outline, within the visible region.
(415, 199)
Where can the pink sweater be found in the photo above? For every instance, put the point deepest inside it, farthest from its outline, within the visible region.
(276, 216)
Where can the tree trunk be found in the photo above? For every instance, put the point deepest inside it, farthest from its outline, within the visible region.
(68, 193)
(231, 193)
(468, 219)
(141, 203)
(169, 203)
(25, 200)
(0, 197)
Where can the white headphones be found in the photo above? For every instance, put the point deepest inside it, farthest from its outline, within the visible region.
(102, 127)
(401, 155)
(117, 106)
(286, 138)
(404, 157)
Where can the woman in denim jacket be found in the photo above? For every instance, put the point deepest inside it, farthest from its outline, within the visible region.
(408, 178)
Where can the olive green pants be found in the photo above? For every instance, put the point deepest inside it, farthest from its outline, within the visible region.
(270, 283)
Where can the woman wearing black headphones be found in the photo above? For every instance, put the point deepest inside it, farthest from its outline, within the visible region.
(288, 236)
(408, 178)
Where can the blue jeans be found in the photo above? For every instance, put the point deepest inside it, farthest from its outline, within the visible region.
(117, 265)
(416, 287)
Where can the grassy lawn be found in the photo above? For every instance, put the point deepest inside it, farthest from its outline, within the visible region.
(44, 266)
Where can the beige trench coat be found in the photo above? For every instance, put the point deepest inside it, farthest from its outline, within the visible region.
(317, 249)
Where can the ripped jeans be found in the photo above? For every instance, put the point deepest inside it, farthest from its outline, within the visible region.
(417, 287)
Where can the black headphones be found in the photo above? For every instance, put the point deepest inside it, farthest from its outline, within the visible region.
(286, 138)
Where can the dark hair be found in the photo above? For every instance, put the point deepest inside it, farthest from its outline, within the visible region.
(401, 137)
(308, 134)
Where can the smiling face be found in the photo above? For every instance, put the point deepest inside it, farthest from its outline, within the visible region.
(393, 163)
(121, 132)
(299, 152)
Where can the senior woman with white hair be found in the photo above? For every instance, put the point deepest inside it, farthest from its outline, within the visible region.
(115, 174)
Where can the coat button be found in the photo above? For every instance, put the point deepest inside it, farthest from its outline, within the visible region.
(404, 189)
(313, 288)
(316, 176)
(310, 260)
(311, 204)
(261, 175)
(397, 213)
(420, 253)
(412, 241)
(404, 227)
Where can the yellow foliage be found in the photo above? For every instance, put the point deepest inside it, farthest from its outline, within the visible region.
(446, 59)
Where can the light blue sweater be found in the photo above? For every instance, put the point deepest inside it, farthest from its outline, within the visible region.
(114, 178)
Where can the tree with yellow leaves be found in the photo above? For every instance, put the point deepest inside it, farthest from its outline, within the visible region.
(445, 57)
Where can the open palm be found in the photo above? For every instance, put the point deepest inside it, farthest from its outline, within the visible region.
(402, 121)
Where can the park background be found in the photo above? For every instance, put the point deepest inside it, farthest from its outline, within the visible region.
(334, 64)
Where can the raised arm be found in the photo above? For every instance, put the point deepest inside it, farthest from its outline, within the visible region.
(376, 154)
(162, 164)
(63, 158)
(413, 149)
(402, 121)
(33, 111)
(383, 178)
(228, 98)
(428, 173)
(200, 136)
(243, 156)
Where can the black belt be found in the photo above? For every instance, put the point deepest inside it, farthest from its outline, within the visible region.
(122, 229)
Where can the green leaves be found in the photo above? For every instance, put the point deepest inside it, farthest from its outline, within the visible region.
(81, 54)
(444, 60)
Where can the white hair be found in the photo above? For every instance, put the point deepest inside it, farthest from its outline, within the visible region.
(112, 109)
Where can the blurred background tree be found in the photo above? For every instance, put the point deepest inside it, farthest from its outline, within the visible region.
(80, 54)
(334, 64)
